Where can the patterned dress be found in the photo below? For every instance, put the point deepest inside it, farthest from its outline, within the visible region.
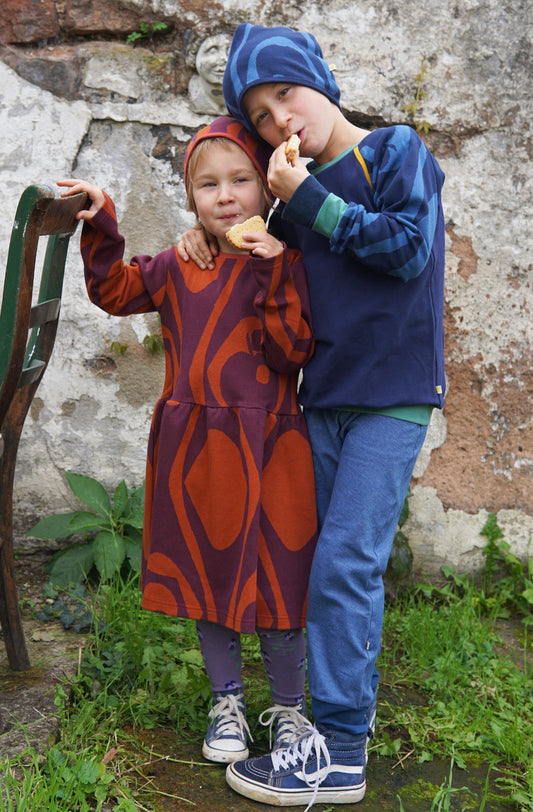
(230, 518)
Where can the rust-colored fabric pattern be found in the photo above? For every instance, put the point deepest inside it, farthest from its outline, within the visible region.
(230, 518)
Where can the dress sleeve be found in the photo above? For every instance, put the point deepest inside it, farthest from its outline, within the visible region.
(112, 285)
(395, 233)
(282, 304)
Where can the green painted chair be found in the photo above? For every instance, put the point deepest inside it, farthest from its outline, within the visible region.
(28, 325)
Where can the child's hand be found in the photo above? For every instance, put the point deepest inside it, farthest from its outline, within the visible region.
(261, 244)
(283, 177)
(94, 192)
(195, 244)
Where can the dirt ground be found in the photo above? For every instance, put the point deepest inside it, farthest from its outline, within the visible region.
(27, 710)
(27, 716)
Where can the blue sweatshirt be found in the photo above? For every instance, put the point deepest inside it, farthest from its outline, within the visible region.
(371, 228)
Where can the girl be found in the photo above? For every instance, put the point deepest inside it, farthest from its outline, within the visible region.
(230, 518)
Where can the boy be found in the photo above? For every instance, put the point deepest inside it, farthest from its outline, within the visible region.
(367, 215)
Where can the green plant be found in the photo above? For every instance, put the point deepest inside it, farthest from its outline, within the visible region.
(400, 562)
(147, 30)
(62, 781)
(442, 802)
(152, 343)
(505, 578)
(141, 668)
(114, 527)
(71, 607)
(413, 108)
(477, 701)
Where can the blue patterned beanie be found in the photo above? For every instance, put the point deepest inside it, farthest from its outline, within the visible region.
(258, 55)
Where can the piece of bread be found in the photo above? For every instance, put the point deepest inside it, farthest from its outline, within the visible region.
(292, 147)
(250, 226)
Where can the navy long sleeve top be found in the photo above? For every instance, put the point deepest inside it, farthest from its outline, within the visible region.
(371, 228)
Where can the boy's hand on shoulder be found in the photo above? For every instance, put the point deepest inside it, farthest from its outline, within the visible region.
(96, 195)
(284, 177)
(195, 244)
(262, 244)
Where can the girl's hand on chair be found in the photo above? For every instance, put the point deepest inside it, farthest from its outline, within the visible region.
(96, 195)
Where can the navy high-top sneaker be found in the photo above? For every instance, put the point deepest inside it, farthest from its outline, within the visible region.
(323, 766)
(225, 739)
(285, 722)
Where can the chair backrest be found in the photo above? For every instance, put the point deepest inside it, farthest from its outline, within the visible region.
(24, 355)
(27, 335)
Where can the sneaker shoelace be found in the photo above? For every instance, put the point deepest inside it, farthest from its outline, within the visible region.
(230, 720)
(286, 721)
(309, 743)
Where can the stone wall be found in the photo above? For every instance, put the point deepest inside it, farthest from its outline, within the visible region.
(77, 99)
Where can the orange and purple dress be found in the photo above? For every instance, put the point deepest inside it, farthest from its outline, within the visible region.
(230, 516)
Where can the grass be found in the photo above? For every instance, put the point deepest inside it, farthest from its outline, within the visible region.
(143, 671)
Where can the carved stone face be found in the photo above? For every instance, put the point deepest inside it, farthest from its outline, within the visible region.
(212, 57)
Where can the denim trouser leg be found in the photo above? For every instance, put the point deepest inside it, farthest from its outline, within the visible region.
(363, 466)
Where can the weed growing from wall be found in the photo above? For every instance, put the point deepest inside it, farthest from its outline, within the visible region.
(414, 107)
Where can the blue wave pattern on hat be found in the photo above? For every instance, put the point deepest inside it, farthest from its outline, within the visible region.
(258, 55)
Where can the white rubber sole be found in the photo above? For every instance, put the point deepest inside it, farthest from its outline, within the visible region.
(295, 797)
(223, 756)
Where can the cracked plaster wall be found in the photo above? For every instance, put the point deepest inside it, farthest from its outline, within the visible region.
(77, 100)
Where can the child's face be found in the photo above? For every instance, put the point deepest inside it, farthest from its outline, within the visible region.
(226, 190)
(277, 110)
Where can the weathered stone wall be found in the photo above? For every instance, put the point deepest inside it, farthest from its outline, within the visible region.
(78, 100)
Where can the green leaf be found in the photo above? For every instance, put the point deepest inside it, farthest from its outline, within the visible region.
(135, 520)
(135, 512)
(109, 552)
(53, 527)
(83, 520)
(91, 492)
(133, 553)
(491, 529)
(72, 565)
(404, 515)
(191, 656)
(134, 534)
(120, 499)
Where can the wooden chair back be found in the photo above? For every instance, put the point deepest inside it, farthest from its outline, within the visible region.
(27, 335)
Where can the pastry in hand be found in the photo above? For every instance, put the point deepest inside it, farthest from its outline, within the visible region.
(292, 147)
(250, 226)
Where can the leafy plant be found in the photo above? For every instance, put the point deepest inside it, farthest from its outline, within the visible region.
(401, 557)
(114, 527)
(147, 30)
(413, 108)
(70, 607)
(442, 802)
(152, 343)
(477, 703)
(505, 575)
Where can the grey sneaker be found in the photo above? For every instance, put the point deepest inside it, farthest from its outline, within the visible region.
(225, 739)
(285, 722)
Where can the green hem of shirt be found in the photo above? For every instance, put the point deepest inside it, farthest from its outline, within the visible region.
(413, 414)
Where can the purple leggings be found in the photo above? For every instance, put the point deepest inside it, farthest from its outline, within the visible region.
(283, 656)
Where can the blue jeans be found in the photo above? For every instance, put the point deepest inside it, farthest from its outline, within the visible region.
(363, 465)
